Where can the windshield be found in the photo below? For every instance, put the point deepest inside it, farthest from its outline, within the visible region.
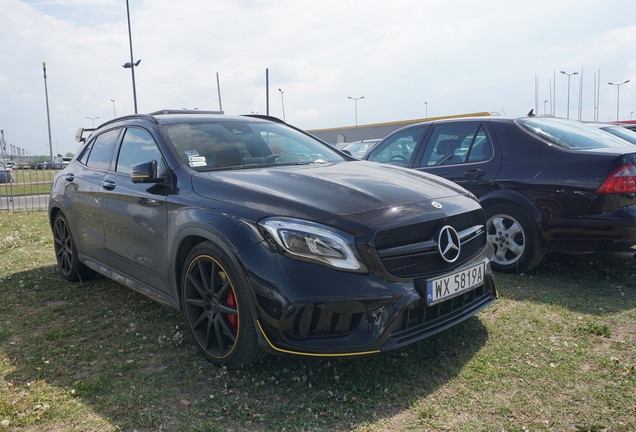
(570, 134)
(235, 144)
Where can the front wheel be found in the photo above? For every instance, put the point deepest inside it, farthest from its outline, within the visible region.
(512, 232)
(216, 304)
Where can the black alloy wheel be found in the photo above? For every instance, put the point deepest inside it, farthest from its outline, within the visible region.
(513, 234)
(66, 252)
(216, 306)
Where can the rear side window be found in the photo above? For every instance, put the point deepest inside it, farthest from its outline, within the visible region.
(101, 151)
(457, 144)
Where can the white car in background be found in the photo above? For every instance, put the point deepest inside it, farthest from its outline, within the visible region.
(358, 149)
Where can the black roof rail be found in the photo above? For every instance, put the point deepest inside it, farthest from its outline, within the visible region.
(184, 111)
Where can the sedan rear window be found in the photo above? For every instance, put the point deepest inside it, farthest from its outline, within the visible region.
(570, 134)
(215, 145)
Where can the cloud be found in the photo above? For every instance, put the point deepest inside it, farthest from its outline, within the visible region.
(458, 56)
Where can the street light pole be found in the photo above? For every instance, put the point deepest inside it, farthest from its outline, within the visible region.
(618, 95)
(132, 64)
(282, 102)
(569, 75)
(356, 108)
(114, 112)
(48, 117)
(426, 105)
(93, 119)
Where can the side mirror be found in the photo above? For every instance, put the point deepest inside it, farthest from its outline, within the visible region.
(145, 172)
(347, 152)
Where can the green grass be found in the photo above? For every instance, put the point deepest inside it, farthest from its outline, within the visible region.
(555, 352)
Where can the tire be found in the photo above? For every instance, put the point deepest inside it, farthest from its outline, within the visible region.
(66, 253)
(216, 304)
(513, 234)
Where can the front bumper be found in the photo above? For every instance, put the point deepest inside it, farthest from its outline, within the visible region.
(306, 309)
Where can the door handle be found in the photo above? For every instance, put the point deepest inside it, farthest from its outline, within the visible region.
(109, 184)
(475, 173)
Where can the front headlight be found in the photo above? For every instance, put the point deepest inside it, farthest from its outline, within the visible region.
(309, 241)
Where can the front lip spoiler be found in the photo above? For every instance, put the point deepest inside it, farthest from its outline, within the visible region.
(310, 354)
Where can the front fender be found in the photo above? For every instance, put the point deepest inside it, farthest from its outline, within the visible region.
(195, 225)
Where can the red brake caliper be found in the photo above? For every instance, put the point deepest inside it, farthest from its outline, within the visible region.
(231, 301)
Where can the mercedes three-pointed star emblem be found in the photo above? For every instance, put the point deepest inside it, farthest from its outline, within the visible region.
(448, 244)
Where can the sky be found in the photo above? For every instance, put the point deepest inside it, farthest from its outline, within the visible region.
(408, 59)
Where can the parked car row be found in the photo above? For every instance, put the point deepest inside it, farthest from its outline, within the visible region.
(268, 239)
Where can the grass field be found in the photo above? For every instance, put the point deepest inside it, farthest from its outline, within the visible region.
(555, 352)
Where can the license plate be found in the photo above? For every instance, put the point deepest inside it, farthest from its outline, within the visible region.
(455, 283)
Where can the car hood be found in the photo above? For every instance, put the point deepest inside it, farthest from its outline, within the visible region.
(320, 191)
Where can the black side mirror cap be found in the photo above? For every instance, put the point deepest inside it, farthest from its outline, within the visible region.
(145, 172)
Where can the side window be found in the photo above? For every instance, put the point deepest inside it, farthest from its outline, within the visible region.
(101, 152)
(137, 146)
(457, 144)
(83, 158)
(398, 148)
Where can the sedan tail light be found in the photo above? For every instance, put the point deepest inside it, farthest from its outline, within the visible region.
(623, 180)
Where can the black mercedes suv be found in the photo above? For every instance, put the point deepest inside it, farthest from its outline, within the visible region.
(268, 239)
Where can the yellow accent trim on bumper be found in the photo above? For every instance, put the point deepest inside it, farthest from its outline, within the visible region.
(310, 354)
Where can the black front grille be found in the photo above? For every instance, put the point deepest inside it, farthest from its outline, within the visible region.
(421, 320)
(427, 260)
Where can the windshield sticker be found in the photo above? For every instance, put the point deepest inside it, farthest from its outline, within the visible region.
(197, 164)
(192, 153)
(196, 158)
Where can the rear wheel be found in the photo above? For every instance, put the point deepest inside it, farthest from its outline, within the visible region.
(216, 304)
(518, 247)
(66, 252)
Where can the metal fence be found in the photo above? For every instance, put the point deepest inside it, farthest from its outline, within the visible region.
(26, 189)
